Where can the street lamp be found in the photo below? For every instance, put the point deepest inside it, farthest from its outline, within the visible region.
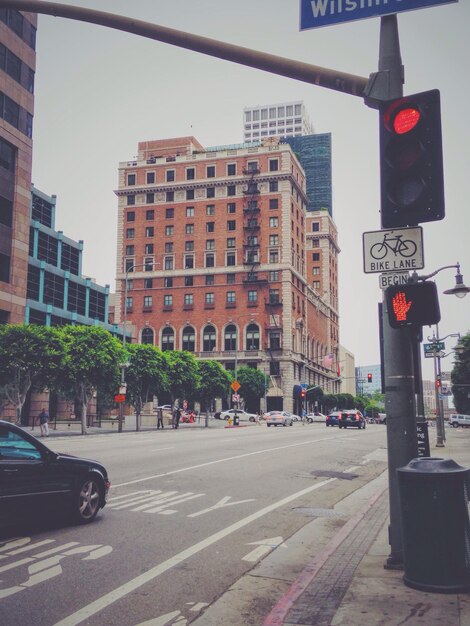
(460, 289)
(123, 366)
(440, 427)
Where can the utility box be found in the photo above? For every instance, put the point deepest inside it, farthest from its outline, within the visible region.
(436, 526)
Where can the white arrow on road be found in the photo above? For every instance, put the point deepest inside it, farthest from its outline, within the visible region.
(264, 548)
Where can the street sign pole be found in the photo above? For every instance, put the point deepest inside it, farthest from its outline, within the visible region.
(402, 444)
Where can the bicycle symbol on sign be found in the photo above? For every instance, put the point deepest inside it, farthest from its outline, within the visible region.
(400, 247)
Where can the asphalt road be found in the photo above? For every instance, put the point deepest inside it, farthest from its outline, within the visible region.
(190, 512)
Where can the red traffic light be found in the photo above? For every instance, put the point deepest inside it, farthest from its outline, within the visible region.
(303, 393)
(369, 378)
(414, 304)
(438, 383)
(411, 164)
(405, 120)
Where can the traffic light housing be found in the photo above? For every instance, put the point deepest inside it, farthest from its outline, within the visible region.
(411, 164)
(303, 393)
(414, 304)
(369, 378)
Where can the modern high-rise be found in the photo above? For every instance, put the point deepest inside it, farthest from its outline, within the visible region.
(17, 70)
(212, 258)
(284, 119)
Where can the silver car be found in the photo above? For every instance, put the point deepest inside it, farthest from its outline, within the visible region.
(279, 418)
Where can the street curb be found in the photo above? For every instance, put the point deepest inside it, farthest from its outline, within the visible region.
(279, 612)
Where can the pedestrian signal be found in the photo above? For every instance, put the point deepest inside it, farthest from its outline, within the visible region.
(414, 304)
(411, 165)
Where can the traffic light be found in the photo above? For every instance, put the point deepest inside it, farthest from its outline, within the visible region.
(369, 378)
(414, 304)
(303, 393)
(411, 166)
(438, 383)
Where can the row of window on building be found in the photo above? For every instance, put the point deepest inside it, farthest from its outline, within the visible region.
(272, 112)
(170, 175)
(209, 299)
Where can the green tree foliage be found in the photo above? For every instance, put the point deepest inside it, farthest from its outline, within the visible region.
(92, 361)
(183, 373)
(252, 388)
(460, 377)
(29, 358)
(146, 376)
(214, 382)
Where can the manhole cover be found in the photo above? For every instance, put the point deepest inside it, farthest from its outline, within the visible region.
(340, 475)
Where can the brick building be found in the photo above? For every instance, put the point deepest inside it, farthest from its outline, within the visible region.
(213, 245)
(17, 70)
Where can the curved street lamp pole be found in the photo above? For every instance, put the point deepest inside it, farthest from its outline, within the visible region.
(440, 425)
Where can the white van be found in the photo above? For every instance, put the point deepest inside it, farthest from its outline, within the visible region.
(457, 419)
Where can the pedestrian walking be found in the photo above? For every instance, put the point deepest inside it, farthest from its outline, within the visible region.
(160, 418)
(257, 416)
(43, 423)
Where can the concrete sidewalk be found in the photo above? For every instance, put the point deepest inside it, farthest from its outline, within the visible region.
(330, 577)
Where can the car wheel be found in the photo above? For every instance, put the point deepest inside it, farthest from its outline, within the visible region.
(226, 417)
(310, 420)
(455, 425)
(87, 501)
(268, 425)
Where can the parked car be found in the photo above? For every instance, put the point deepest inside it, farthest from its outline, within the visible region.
(242, 415)
(279, 418)
(351, 418)
(35, 480)
(332, 419)
(164, 407)
(217, 415)
(457, 419)
(316, 417)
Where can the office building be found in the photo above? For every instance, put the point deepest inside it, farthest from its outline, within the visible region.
(17, 70)
(212, 258)
(285, 119)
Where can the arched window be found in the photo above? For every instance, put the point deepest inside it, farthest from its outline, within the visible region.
(147, 336)
(230, 337)
(208, 339)
(168, 339)
(252, 337)
(189, 339)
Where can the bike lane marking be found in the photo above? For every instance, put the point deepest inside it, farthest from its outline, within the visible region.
(135, 583)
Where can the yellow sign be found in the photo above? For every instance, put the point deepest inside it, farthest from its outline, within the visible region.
(235, 385)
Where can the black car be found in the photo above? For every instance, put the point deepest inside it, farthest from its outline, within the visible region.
(36, 480)
(351, 418)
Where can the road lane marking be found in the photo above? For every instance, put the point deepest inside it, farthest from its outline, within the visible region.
(122, 591)
(220, 504)
(263, 548)
(229, 458)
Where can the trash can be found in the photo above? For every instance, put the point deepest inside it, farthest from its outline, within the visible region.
(236, 419)
(435, 524)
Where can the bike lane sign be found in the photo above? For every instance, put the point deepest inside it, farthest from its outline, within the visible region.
(397, 250)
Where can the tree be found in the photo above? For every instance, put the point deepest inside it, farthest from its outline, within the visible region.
(460, 376)
(183, 374)
(252, 383)
(146, 376)
(29, 357)
(92, 361)
(214, 382)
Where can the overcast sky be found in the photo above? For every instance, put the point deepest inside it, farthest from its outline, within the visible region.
(99, 92)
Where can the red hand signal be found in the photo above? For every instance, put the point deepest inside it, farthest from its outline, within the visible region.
(401, 306)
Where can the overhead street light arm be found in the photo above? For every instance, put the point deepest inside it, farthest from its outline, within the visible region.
(298, 70)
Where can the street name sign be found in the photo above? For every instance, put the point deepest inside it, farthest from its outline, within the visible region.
(316, 13)
(398, 250)
(423, 439)
(385, 280)
(435, 349)
(430, 348)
